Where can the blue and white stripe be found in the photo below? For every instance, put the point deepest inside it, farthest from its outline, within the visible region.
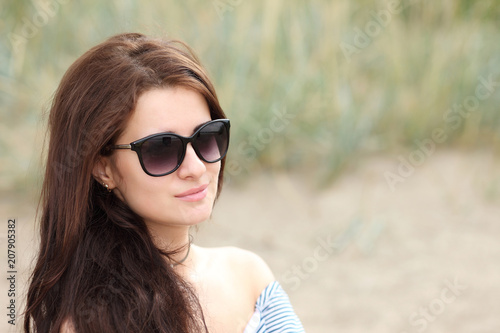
(274, 313)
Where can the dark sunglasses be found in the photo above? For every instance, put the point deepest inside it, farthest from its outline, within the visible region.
(161, 154)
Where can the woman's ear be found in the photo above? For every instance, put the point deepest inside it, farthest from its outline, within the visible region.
(103, 173)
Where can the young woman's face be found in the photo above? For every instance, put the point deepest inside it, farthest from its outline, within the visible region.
(162, 201)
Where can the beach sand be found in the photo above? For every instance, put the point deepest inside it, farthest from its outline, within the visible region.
(356, 256)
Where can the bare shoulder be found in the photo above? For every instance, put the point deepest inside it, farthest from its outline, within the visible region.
(248, 262)
(247, 265)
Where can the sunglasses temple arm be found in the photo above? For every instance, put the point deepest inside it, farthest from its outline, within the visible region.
(121, 147)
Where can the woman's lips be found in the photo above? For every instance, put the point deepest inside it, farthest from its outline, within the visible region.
(194, 194)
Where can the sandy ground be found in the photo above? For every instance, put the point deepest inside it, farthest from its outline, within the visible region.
(358, 257)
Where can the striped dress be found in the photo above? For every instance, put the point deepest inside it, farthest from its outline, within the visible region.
(274, 313)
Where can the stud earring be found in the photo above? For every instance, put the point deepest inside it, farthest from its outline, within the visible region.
(106, 186)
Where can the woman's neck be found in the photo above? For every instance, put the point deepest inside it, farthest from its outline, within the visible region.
(173, 238)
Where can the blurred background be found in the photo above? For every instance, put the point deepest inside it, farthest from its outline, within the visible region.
(364, 163)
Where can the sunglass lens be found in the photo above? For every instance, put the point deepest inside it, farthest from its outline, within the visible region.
(161, 154)
(212, 141)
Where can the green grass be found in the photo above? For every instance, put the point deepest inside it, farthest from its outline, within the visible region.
(276, 55)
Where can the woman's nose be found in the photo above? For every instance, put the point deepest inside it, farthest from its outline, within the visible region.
(192, 166)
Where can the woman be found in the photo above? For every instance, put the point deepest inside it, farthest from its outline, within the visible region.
(136, 157)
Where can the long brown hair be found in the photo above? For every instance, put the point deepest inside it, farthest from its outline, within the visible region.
(97, 265)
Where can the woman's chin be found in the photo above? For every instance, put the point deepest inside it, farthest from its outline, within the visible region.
(196, 216)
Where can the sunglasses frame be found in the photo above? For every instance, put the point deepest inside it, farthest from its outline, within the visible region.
(136, 145)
